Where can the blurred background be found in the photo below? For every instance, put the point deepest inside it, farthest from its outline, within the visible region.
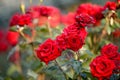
(10, 7)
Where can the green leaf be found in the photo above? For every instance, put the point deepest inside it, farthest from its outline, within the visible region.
(89, 53)
(1, 78)
(35, 43)
(115, 77)
(76, 66)
(14, 29)
(109, 30)
(27, 31)
(117, 24)
(84, 76)
(11, 70)
(52, 68)
(89, 76)
(32, 74)
(118, 13)
(41, 29)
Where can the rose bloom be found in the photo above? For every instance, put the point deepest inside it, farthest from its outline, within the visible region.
(20, 19)
(46, 14)
(75, 28)
(68, 19)
(110, 5)
(45, 11)
(74, 42)
(102, 67)
(61, 42)
(12, 38)
(93, 10)
(34, 11)
(14, 20)
(110, 50)
(74, 36)
(84, 19)
(48, 51)
(24, 19)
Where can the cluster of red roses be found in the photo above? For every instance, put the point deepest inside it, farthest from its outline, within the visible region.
(50, 14)
(74, 35)
(107, 63)
(37, 15)
(95, 11)
(72, 38)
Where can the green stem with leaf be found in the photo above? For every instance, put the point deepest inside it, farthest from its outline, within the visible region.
(66, 77)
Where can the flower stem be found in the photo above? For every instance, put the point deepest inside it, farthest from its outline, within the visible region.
(33, 49)
(30, 2)
(22, 34)
(49, 28)
(22, 7)
(61, 70)
(78, 55)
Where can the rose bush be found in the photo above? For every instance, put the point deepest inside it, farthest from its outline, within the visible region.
(44, 44)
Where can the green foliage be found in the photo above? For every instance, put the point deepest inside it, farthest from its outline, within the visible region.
(27, 31)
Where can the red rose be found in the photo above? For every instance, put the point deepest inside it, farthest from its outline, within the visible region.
(61, 42)
(48, 51)
(84, 19)
(74, 36)
(93, 10)
(42, 13)
(74, 42)
(110, 5)
(83, 34)
(14, 20)
(73, 28)
(34, 11)
(45, 11)
(24, 20)
(110, 50)
(12, 37)
(53, 16)
(101, 67)
(20, 20)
